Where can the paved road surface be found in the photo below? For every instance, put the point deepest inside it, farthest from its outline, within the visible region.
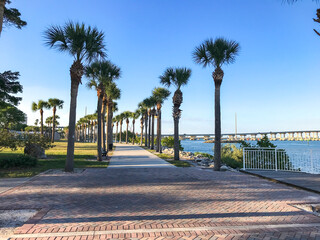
(160, 203)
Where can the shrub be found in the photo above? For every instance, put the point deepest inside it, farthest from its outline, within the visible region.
(206, 155)
(19, 161)
(232, 156)
(8, 140)
(169, 142)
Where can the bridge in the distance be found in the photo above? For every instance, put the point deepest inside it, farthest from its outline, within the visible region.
(307, 135)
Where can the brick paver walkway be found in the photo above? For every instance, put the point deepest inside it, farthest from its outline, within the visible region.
(161, 203)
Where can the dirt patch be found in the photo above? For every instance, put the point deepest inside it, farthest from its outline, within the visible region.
(10, 219)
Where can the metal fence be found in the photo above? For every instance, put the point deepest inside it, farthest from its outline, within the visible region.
(278, 159)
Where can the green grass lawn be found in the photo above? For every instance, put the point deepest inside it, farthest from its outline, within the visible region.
(56, 159)
(169, 158)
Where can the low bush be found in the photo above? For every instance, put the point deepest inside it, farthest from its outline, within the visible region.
(232, 156)
(18, 161)
(169, 142)
(206, 155)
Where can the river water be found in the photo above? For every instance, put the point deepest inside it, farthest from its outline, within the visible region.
(289, 146)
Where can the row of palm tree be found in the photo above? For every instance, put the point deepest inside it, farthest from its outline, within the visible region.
(86, 45)
(53, 103)
(211, 52)
(101, 75)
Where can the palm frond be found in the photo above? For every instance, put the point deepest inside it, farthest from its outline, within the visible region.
(182, 76)
(55, 38)
(167, 77)
(200, 55)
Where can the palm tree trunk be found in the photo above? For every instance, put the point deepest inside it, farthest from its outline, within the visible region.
(141, 136)
(117, 125)
(99, 144)
(217, 128)
(152, 129)
(127, 121)
(2, 5)
(146, 130)
(72, 124)
(109, 127)
(53, 124)
(120, 137)
(176, 138)
(158, 147)
(41, 122)
(103, 116)
(149, 132)
(134, 136)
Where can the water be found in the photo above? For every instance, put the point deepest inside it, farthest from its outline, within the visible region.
(289, 146)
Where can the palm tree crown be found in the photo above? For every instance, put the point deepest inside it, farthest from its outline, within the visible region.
(40, 105)
(81, 42)
(55, 102)
(216, 53)
(175, 76)
(160, 94)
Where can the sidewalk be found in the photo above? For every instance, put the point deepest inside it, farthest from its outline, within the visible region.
(310, 182)
(143, 198)
(130, 156)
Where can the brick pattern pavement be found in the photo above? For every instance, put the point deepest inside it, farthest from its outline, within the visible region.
(161, 203)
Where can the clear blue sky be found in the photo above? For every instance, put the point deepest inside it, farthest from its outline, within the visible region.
(273, 85)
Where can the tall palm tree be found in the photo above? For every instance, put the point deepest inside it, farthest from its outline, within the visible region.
(85, 44)
(160, 94)
(49, 120)
(216, 53)
(127, 115)
(148, 103)
(177, 77)
(103, 121)
(54, 103)
(117, 120)
(113, 93)
(143, 106)
(134, 115)
(143, 113)
(40, 105)
(152, 113)
(97, 73)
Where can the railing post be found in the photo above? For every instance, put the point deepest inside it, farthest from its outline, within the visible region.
(276, 159)
(244, 159)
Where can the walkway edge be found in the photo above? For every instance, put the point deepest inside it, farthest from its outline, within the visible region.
(279, 181)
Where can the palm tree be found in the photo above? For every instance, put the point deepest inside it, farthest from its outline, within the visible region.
(49, 120)
(40, 106)
(121, 117)
(117, 120)
(127, 115)
(177, 77)
(113, 93)
(103, 121)
(216, 53)
(160, 94)
(54, 103)
(148, 104)
(97, 72)
(152, 112)
(142, 114)
(134, 115)
(85, 44)
(143, 106)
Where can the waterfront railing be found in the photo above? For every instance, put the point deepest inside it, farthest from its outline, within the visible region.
(279, 160)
